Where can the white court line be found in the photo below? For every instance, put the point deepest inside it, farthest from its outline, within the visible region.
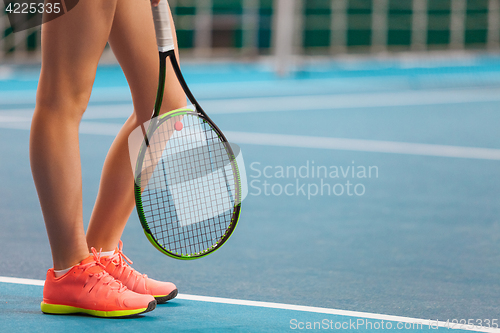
(301, 141)
(86, 127)
(351, 101)
(282, 306)
(115, 111)
(31, 282)
(317, 102)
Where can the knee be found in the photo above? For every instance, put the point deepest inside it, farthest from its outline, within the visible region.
(66, 103)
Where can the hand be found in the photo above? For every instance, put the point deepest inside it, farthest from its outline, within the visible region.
(155, 3)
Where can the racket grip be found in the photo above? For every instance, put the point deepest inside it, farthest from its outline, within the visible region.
(161, 16)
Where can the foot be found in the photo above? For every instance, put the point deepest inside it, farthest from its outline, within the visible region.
(88, 289)
(117, 265)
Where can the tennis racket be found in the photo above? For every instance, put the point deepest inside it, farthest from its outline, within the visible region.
(187, 183)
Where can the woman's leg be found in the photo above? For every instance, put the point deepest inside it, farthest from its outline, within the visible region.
(71, 48)
(133, 41)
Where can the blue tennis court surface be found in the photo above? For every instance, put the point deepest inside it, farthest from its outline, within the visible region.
(373, 188)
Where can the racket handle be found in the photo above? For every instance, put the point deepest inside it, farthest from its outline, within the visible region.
(161, 16)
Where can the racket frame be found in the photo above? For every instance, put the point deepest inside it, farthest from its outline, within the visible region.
(155, 122)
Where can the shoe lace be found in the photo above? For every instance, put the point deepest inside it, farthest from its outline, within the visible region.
(101, 275)
(121, 260)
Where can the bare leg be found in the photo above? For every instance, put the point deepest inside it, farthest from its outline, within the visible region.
(133, 42)
(71, 48)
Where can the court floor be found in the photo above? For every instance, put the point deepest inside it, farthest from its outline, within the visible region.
(373, 194)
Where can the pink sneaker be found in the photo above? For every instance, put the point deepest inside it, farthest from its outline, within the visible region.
(88, 289)
(116, 265)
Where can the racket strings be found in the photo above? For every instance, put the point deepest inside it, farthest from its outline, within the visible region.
(190, 194)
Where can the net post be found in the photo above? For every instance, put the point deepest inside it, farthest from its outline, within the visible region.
(173, 6)
(338, 28)
(493, 41)
(20, 43)
(203, 28)
(298, 33)
(283, 35)
(419, 25)
(39, 43)
(457, 24)
(250, 27)
(3, 26)
(379, 25)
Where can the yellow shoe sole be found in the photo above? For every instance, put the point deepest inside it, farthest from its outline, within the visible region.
(66, 309)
